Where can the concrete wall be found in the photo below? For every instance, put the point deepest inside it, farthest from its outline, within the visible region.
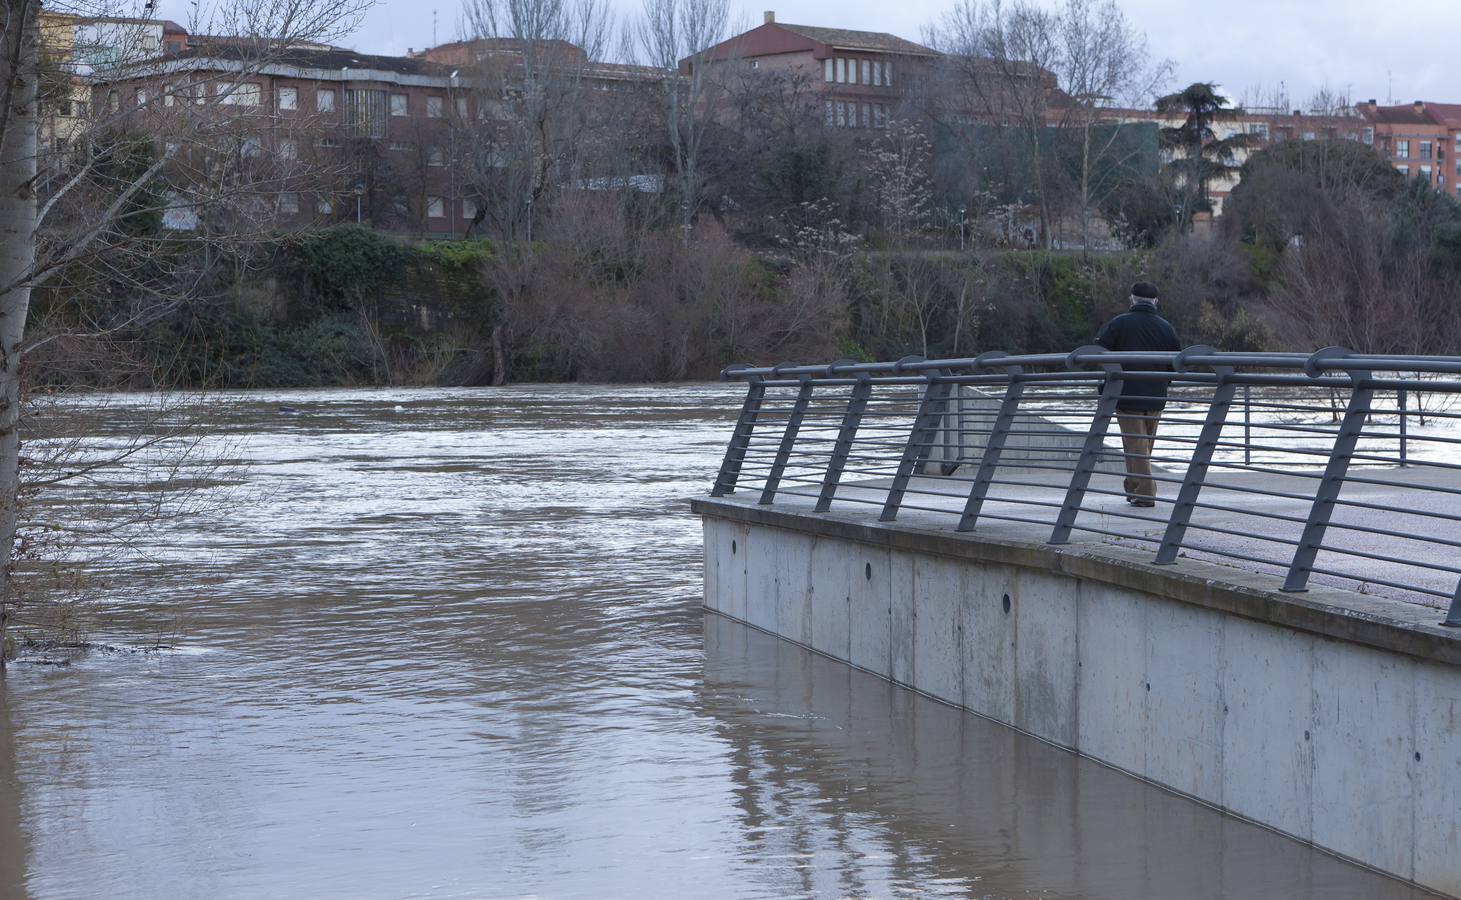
(1350, 746)
(1032, 439)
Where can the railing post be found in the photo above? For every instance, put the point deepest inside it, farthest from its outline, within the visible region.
(953, 450)
(1004, 420)
(1085, 466)
(1360, 399)
(1247, 425)
(1453, 617)
(1196, 475)
(1401, 397)
(735, 451)
(920, 438)
(851, 419)
(788, 440)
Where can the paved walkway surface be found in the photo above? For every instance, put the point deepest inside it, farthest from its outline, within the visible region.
(1228, 525)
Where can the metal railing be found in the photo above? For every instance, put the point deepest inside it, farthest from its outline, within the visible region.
(1333, 464)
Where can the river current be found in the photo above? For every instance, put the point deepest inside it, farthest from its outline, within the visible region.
(449, 643)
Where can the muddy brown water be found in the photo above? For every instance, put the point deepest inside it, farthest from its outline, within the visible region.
(449, 644)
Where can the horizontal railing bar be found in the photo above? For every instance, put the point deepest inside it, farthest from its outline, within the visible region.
(1350, 576)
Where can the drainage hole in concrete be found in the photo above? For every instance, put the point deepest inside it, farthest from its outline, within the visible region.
(733, 547)
(1006, 603)
(867, 570)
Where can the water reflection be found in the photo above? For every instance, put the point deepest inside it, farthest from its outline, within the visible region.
(872, 789)
(14, 844)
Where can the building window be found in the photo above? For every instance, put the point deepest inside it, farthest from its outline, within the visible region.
(435, 208)
(324, 207)
(841, 114)
(827, 112)
(867, 72)
(1425, 173)
(113, 103)
(434, 108)
(755, 63)
(877, 74)
(434, 157)
(402, 146)
(1402, 149)
(200, 93)
(328, 142)
(288, 149)
(827, 66)
(461, 106)
(289, 204)
(1403, 170)
(242, 94)
(469, 208)
(251, 146)
(400, 105)
(325, 100)
(288, 98)
(140, 96)
(841, 70)
(867, 115)
(1368, 136)
(1308, 135)
(1258, 129)
(167, 98)
(879, 119)
(887, 74)
(1425, 149)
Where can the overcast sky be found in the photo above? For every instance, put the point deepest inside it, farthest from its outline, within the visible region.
(1359, 45)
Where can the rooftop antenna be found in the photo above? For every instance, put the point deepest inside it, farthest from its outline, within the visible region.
(1389, 88)
(433, 28)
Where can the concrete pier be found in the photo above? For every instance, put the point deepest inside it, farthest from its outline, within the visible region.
(1330, 716)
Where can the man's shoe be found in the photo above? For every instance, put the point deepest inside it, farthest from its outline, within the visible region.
(1143, 502)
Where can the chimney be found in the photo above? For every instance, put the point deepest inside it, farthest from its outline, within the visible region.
(770, 16)
(1420, 106)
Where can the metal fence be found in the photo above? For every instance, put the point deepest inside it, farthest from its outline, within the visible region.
(1335, 465)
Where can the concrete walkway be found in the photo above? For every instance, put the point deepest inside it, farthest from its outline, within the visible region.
(1024, 508)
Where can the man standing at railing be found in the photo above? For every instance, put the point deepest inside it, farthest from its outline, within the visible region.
(1140, 407)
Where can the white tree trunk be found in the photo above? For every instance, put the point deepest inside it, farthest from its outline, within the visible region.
(17, 256)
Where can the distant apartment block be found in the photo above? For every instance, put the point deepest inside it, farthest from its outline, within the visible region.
(378, 137)
(1421, 139)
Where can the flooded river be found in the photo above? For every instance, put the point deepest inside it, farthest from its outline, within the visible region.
(449, 644)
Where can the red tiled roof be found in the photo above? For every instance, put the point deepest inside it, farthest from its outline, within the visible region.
(1407, 114)
(848, 39)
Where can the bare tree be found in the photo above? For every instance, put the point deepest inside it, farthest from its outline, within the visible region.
(1103, 61)
(1000, 64)
(83, 212)
(675, 30)
(898, 162)
(532, 79)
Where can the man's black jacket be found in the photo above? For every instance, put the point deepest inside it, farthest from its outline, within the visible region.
(1140, 329)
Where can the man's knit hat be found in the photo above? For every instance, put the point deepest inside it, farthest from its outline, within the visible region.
(1144, 290)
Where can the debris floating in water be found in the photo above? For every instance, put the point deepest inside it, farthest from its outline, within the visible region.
(289, 410)
(400, 408)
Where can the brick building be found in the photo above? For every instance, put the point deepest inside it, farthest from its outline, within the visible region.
(349, 136)
(1420, 139)
(859, 78)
